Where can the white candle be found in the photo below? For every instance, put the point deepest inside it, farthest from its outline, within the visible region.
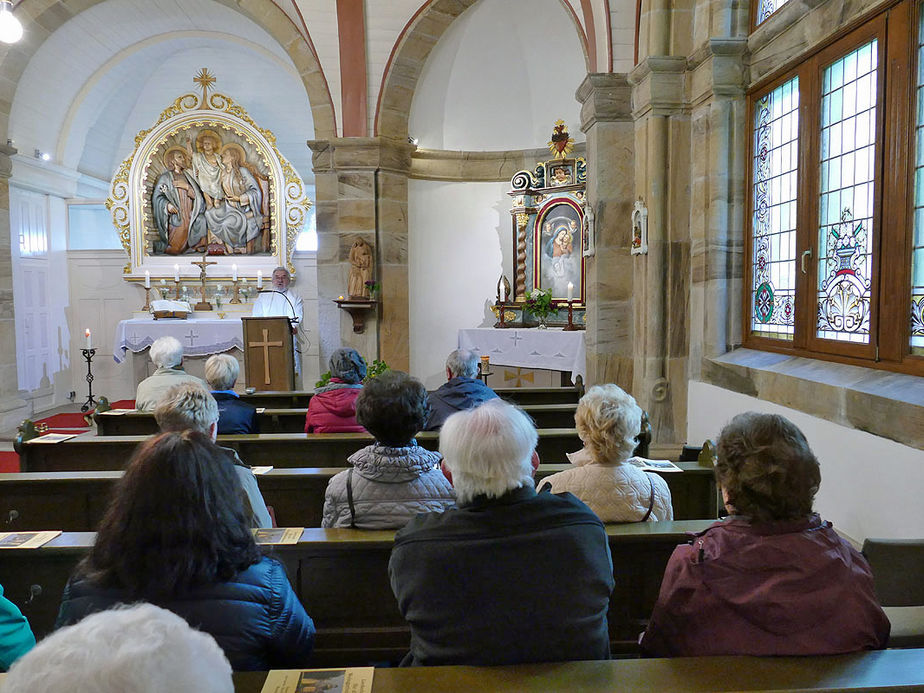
(259, 279)
(234, 273)
(570, 291)
(147, 280)
(89, 343)
(176, 273)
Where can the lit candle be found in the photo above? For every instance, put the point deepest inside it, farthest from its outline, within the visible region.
(234, 273)
(340, 298)
(570, 291)
(89, 343)
(147, 280)
(176, 273)
(259, 279)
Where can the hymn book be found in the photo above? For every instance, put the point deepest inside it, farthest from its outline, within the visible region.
(277, 535)
(647, 465)
(352, 680)
(26, 540)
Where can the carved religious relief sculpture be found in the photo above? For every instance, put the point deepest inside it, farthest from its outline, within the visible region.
(360, 269)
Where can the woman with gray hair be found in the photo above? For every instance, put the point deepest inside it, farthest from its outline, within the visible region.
(167, 354)
(608, 421)
(234, 416)
(332, 408)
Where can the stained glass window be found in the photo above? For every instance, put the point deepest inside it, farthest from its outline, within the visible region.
(776, 157)
(845, 237)
(767, 7)
(917, 251)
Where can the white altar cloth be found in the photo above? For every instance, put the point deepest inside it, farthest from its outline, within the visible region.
(552, 349)
(198, 337)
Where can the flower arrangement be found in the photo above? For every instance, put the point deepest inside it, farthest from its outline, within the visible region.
(539, 303)
(372, 286)
(377, 367)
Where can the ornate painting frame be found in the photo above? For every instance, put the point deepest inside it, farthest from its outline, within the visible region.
(246, 217)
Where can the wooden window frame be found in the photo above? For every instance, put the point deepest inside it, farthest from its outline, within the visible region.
(895, 28)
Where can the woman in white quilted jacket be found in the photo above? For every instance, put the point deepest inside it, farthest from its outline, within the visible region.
(608, 421)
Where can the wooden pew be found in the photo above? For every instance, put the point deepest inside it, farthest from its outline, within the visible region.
(518, 395)
(103, 453)
(891, 670)
(76, 501)
(142, 423)
(341, 577)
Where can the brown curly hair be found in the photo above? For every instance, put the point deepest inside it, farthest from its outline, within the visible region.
(766, 467)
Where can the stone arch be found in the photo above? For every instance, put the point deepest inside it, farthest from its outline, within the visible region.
(44, 17)
(407, 59)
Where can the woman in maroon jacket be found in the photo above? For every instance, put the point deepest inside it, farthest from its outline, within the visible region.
(773, 578)
(332, 408)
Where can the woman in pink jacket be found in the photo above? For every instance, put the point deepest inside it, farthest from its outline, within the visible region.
(332, 408)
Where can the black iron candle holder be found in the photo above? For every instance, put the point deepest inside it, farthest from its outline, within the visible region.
(88, 354)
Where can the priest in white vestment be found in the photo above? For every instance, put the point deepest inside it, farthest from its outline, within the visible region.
(281, 300)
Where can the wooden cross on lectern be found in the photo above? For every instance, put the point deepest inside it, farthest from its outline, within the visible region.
(266, 344)
(202, 264)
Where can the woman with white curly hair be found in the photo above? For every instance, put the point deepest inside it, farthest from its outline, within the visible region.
(608, 421)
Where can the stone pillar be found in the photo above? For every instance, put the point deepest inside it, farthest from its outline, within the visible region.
(606, 119)
(661, 278)
(361, 189)
(13, 408)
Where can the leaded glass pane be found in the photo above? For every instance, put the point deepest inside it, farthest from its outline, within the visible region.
(845, 237)
(767, 7)
(917, 252)
(773, 226)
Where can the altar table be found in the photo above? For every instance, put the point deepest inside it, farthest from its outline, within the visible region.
(198, 337)
(551, 349)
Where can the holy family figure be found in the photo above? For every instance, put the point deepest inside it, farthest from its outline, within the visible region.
(210, 195)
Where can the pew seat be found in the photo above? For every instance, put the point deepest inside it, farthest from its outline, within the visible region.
(885, 670)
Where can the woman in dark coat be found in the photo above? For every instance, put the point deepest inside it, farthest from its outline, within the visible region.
(176, 535)
(773, 578)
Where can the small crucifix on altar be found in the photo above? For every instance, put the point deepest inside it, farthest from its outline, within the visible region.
(202, 264)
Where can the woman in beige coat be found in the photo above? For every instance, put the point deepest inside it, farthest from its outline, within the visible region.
(608, 421)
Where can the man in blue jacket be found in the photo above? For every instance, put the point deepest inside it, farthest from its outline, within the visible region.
(462, 391)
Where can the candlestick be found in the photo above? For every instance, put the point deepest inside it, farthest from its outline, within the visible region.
(570, 327)
(177, 283)
(235, 289)
(147, 299)
(176, 273)
(88, 354)
(147, 280)
(87, 333)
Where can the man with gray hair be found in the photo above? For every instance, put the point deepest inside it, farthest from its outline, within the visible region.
(508, 576)
(463, 390)
(137, 649)
(234, 416)
(190, 406)
(167, 355)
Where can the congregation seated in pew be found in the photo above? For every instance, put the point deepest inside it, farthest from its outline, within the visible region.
(462, 389)
(167, 354)
(773, 578)
(332, 408)
(234, 416)
(142, 649)
(508, 576)
(393, 479)
(176, 534)
(189, 406)
(608, 421)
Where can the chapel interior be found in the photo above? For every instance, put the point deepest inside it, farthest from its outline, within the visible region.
(406, 120)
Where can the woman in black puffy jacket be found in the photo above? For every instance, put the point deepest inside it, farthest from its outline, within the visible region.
(176, 535)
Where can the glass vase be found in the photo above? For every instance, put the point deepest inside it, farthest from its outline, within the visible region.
(542, 324)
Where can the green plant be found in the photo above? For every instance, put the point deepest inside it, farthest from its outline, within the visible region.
(539, 303)
(377, 367)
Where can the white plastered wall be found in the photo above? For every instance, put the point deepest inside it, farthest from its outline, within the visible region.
(870, 486)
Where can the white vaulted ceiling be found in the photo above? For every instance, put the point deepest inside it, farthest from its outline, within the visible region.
(111, 70)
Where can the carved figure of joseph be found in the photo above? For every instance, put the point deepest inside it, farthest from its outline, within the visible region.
(360, 270)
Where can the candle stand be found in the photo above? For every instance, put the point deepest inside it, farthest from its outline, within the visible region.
(147, 300)
(177, 295)
(88, 354)
(570, 327)
(234, 296)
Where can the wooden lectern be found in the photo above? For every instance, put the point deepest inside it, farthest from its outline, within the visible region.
(269, 358)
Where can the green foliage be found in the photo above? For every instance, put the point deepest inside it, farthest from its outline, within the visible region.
(539, 303)
(377, 367)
